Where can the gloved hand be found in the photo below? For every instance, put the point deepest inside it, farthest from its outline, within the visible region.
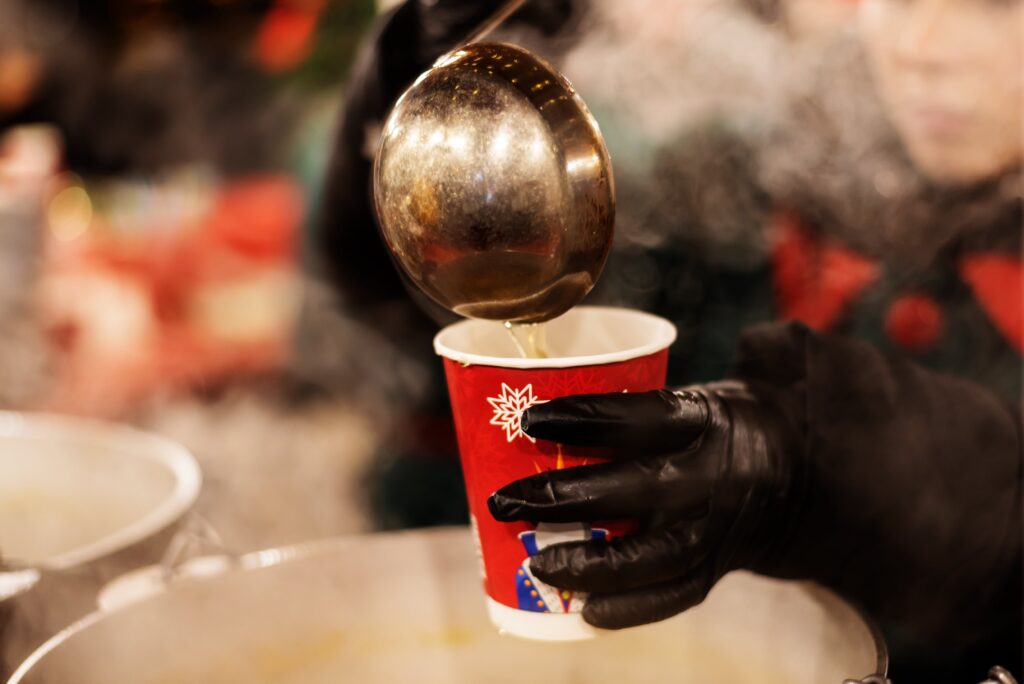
(713, 474)
(896, 487)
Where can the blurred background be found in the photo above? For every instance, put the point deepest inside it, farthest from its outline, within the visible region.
(159, 166)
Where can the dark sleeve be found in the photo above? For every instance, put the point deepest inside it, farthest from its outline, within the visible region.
(915, 484)
(351, 252)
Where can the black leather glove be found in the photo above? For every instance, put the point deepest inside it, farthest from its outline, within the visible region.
(896, 487)
(713, 474)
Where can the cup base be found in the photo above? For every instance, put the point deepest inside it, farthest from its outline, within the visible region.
(540, 626)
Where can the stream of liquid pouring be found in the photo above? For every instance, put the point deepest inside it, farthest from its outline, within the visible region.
(530, 339)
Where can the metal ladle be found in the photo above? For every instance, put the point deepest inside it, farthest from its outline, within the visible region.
(492, 184)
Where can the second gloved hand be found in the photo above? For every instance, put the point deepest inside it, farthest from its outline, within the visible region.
(713, 475)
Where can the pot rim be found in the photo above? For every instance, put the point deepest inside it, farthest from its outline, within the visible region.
(177, 460)
(881, 647)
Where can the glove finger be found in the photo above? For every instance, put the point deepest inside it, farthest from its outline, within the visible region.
(621, 563)
(606, 491)
(650, 422)
(647, 604)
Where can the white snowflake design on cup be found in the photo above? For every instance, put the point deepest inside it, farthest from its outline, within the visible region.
(508, 410)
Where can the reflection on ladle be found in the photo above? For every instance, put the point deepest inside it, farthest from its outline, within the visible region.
(530, 339)
(518, 236)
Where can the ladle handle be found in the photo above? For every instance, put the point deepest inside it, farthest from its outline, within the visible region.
(999, 675)
(493, 22)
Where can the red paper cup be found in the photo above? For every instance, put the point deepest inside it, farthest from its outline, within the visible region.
(593, 350)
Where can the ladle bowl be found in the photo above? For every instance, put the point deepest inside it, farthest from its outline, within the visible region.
(493, 187)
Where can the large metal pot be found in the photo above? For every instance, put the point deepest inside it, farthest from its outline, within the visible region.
(408, 607)
(81, 502)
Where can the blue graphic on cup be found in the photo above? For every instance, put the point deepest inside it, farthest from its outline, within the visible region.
(536, 596)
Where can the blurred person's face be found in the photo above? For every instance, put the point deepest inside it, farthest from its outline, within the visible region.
(950, 75)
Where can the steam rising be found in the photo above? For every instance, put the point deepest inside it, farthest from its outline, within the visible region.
(663, 79)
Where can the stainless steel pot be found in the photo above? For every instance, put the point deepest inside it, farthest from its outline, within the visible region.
(408, 607)
(81, 502)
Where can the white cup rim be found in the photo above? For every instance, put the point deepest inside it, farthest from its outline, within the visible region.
(663, 334)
